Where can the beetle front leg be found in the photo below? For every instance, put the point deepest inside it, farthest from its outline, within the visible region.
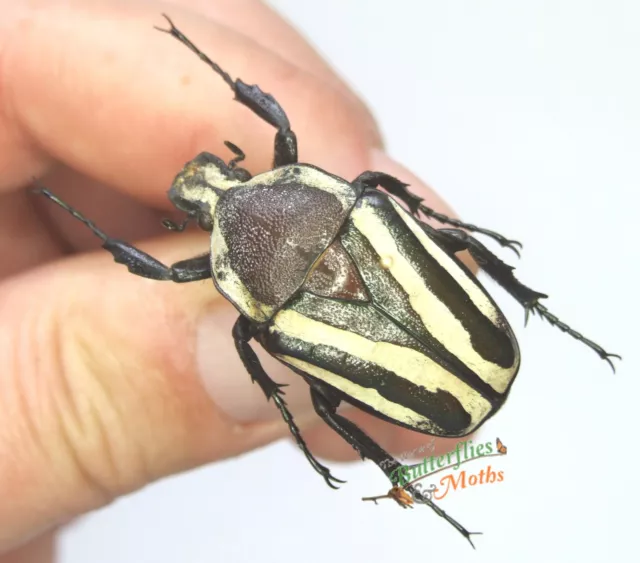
(399, 189)
(456, 240)
(138, 262)
(243, 331)
(326, 403)
(263, 105)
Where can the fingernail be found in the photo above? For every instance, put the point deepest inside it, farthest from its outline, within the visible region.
(228, 382)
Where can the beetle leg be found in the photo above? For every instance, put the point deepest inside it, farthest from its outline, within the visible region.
(243, 331)
(326, 405)
(138, 262)
(503, 274)
(399, 189)
(262, 104)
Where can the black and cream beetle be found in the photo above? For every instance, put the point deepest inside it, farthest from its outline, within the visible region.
(334, 278)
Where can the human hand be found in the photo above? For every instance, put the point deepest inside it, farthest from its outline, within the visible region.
(111, 381)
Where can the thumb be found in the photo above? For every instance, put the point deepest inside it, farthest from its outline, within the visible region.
(101, 389)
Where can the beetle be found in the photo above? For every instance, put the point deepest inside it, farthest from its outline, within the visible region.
(337, 280)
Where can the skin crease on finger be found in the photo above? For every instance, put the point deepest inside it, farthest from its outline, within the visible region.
(160, 137)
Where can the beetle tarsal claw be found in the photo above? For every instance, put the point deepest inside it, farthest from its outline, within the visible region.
(169, 31)
(527, 312)
(607, 358)
(468, 536)
(512, 245)
(329, 478)
(278, 396)
(326, 474)
(176, 227)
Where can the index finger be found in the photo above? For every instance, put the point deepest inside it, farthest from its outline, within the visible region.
(100, 90)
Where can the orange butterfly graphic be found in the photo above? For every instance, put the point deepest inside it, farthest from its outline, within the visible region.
(501, 447)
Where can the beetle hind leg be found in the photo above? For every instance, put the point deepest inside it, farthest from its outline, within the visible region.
(243, 332)
(399, 189)
(544, 313)
(456, 240)
(262, 104)
(325, 403)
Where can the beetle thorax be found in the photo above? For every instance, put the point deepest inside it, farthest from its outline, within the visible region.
(271, 230)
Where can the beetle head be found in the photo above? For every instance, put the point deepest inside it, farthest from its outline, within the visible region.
(196, 189)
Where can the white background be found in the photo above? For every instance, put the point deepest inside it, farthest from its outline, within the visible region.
(526, 116)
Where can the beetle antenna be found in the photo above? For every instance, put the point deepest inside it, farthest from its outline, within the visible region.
(40, 189)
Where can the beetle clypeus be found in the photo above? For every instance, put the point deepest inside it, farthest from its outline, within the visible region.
(366, 302)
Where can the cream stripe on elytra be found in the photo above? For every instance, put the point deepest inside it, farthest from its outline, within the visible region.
(367, 396)
(435, 315)
(476, 295)
(403, 362)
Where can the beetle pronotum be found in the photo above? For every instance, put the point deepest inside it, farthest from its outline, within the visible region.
(365, 301)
